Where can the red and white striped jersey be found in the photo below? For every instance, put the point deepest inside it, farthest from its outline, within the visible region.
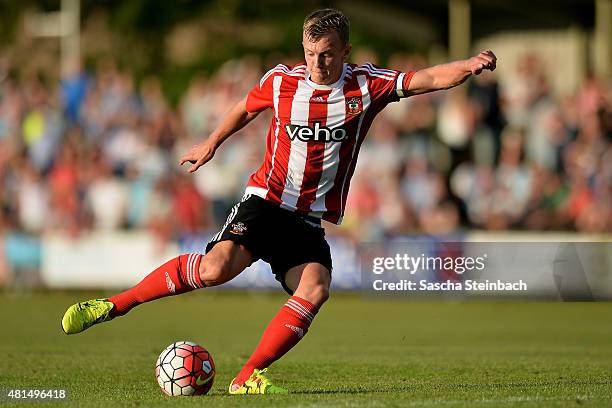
(316, 132)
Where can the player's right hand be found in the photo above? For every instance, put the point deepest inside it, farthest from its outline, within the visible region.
(199, 155)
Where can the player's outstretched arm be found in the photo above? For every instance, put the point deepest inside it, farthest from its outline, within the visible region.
(449, 75)
(235, 120)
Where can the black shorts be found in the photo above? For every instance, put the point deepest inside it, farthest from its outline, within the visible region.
(280, 237)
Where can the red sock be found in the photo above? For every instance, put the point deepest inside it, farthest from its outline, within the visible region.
(284, 331)
(179, 275)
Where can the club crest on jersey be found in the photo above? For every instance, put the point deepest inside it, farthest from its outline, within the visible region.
(354, 105)
(317, 133)
(238, 228)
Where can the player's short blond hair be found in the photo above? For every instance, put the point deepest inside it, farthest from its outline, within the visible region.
(321, 22)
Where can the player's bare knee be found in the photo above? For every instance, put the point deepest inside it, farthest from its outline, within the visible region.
(213, 272)
(318, 294)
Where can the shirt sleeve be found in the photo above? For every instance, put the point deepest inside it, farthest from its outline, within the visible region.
(402, 83)
(260, 97)
(387, 85)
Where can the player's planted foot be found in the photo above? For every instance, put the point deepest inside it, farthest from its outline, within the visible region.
(257, 383)
(83, 315)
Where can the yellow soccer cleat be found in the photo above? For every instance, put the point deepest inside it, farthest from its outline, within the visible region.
(257, 383)
(83, 315)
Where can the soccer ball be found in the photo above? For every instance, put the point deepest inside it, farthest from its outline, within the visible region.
(185, 368)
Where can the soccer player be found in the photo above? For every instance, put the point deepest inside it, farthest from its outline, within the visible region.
(322, 111)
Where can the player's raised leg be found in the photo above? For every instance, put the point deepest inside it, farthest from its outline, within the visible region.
(179, 275)
(310, 283)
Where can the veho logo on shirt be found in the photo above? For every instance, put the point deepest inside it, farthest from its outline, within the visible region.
(317, 133)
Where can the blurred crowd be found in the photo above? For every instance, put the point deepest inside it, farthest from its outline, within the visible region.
(100, 151)
(492, 155)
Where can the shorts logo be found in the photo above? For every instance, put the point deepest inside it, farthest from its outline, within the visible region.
(238, 228)
(354, 105)
(171, 286)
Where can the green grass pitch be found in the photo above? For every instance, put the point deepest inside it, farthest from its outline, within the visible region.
(358, 352)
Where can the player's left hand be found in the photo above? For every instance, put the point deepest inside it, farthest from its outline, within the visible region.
(199, 155)
(484, 60)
